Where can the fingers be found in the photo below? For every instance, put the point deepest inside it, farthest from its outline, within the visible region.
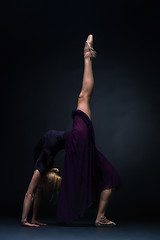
(39, 223)
(27, 224)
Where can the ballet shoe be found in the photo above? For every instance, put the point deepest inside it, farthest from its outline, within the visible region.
(104, 222)
(88, 48)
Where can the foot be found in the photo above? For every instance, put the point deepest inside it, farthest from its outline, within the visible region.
(104, 222)
(88, 48)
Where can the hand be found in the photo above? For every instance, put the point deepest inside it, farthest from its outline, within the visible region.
(27, 224)
(38, 223)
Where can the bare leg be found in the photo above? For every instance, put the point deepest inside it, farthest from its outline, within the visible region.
(29, 198)
(84, 105)
(103, 203)
(87, 84)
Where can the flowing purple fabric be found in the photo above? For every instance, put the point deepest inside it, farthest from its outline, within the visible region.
(82, 166)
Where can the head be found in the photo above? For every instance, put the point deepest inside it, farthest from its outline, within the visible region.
(51, 181)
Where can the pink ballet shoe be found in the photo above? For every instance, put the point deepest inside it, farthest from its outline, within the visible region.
(88, 48)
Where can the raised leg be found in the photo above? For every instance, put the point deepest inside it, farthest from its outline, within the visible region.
(88, 79)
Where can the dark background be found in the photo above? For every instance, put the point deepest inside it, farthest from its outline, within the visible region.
(42, 65)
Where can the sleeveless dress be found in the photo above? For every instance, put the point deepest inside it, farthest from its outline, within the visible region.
(85, 168)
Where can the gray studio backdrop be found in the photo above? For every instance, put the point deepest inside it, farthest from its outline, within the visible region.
(42, 76)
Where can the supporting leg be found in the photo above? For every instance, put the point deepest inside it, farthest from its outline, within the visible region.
(103, 203)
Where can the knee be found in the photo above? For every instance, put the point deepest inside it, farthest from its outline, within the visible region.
(83, 97)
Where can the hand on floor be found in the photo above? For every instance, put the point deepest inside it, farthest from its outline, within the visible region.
(35, 222)
(27, 224)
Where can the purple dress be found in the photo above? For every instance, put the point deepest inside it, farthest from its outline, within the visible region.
(85, 168)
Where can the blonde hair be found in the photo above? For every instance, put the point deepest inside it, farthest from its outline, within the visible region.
(52, 180)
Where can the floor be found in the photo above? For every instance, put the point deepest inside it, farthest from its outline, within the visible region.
(10, 228)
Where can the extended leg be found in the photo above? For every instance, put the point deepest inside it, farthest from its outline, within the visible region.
(88, 80)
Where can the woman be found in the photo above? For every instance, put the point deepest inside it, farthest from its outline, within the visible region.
(85, 168)
(45, 177)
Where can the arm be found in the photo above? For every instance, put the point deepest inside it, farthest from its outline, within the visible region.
(42, 186)
(29, 199)
(36, 206)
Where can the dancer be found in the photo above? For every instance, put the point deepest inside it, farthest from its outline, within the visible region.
(45, 177)
(85, 168)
